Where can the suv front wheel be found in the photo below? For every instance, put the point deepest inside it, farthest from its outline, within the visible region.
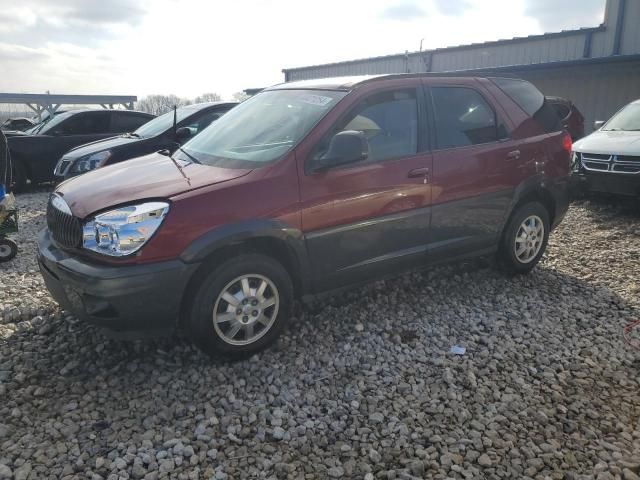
(525, 238)
(240, 307)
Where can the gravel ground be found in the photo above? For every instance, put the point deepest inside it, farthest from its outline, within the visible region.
(363, 387)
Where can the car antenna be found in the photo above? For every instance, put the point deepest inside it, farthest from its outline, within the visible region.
(175, 120)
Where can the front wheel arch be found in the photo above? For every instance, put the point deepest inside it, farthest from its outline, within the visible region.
(270, 247)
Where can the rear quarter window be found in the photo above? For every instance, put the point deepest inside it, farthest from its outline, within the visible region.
(531, 101)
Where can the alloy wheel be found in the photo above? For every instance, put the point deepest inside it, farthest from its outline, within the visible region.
(529, 239)
(246, 309)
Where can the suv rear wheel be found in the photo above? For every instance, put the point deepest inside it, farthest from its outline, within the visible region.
(240, 307)
(525, 238)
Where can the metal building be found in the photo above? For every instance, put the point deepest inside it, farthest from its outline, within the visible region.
(597, 68)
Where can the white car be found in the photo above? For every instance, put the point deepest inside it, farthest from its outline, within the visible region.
(608, 160)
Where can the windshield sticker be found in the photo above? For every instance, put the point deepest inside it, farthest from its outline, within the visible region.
(318, 100)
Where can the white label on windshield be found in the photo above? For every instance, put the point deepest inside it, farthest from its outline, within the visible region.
(319, 100)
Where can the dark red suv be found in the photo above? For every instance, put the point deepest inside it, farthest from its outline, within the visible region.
(304, 188)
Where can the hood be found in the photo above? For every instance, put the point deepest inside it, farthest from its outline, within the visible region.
(14, 133)
(153, 176)
(610, 143)
(101, 145)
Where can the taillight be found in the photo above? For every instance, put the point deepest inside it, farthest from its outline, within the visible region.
(567, 143)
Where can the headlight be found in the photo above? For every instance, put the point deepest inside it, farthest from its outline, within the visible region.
(90, 162)
(575, 161)
(124, 230)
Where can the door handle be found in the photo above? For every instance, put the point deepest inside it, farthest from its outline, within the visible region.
(514, 155)
(418, 172)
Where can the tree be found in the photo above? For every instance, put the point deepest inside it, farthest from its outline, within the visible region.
(240, 96)
(208, 97)
(159, 104)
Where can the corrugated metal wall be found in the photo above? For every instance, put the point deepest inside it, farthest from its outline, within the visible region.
(631, 30)
(597, 90)
(564, 46)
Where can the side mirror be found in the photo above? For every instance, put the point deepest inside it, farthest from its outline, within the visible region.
(346, 147)
(597, 125)
(183, 133)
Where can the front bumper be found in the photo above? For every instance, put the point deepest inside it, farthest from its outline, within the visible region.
(613, 183)
(122, 298)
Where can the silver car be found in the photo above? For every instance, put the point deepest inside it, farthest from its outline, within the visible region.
(608, 160)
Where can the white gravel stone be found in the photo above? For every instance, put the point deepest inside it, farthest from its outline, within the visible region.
(546, 384)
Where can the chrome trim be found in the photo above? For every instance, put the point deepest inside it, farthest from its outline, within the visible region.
(595, 162)
(62, 166)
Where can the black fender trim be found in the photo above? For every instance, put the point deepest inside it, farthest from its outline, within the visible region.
(238, 233)
(556, 187)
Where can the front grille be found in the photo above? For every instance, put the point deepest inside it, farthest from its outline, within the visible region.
(597, 162)
(65, 229)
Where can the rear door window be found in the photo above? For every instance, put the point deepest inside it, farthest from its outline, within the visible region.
(531, 101)
(86, 123)
(462, 118)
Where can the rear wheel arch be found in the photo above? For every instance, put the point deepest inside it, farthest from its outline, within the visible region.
(528, 194)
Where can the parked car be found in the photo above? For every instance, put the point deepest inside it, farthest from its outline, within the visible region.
(37, 123)
(19, 124)
(35, 155)
(571, 118)
(308, 187)
(608, 160)
(158, 134)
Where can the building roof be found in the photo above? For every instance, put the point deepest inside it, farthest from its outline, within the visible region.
(492, 43)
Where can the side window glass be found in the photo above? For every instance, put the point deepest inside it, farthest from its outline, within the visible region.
(86, 124)
(562, 110)
(197, 124)
(531, 101)
(122, 122)
(389, 121)
(463, 118)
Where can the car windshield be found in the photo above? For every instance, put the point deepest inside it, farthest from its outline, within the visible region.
(162, 123)
(261, 129)
(48, 125)
(627, 119)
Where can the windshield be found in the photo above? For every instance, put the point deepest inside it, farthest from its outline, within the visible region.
(48, 125)
(262, 128)
(627, 119)
(162, 123)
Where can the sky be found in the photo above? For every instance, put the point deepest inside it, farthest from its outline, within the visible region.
(190, 47)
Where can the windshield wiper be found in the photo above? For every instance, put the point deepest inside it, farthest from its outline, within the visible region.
(191, 157)
(131, 135)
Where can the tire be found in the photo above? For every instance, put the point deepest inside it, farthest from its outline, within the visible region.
(8, 250)
(534, 243)
(210, 301)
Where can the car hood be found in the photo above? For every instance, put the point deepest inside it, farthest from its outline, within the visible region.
(100, 145)
(14, 133)
(610, 143)
(153, 176)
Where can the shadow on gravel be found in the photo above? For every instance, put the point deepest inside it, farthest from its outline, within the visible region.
(615, 205)
(452, 301)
